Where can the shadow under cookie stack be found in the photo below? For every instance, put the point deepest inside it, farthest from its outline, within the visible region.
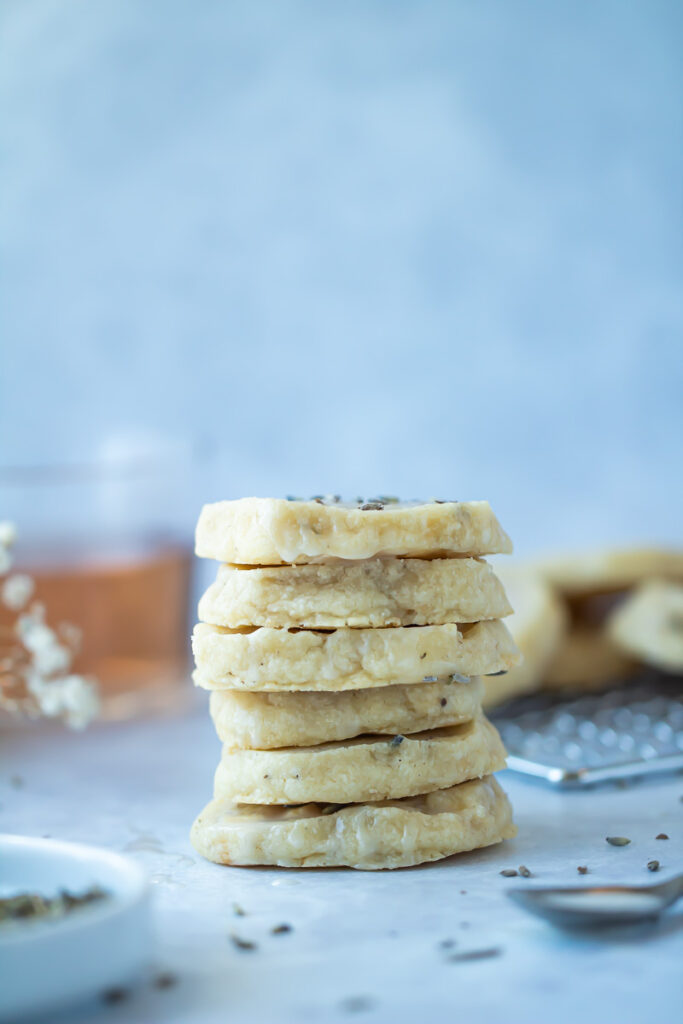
(342, 645)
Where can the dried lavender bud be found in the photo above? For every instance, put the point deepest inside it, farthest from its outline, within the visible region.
(396, 741)
(166, 980)
(582, 869)
(618, 840)
(509, 873)
(281, 929)
(653, 865)
(243, 944)
(33, 905)
(524, 871)
(474, 954)
(112, 996)
(662, 835)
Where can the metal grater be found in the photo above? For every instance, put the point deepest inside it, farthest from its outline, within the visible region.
(632, 730)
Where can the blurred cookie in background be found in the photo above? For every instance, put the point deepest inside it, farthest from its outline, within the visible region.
(580, 575)
(593, 586)
(587, 621)
(586, 659)
(648, 625)
(538, 626)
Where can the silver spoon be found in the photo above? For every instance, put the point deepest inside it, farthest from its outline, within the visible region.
(599, 906)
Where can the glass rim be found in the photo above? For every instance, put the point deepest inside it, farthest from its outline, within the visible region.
(168, 456)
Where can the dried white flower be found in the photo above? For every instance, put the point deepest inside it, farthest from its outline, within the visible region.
(52, 659)
(33, 632)
(32, 671)
(17, 591)
(5, 560)
(71, 635)
(49, 656)
(73, 698)
(80, 700)
(8, 534)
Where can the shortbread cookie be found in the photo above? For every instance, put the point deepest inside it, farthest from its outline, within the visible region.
(593, 585)
(649, 625)
(261, 721)
(372, 593)
(366, 768)
(610, 570)
(587, 659)
(273, 531)
(537, 626)
(371, 836)
(347, 659)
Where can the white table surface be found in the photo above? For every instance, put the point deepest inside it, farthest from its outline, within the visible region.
(369, 937)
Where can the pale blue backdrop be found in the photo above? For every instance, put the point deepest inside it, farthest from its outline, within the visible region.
(416, 248)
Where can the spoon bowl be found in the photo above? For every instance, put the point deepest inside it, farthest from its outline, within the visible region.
(599, 906)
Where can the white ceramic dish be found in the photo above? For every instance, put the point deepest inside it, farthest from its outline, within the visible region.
(47, 965)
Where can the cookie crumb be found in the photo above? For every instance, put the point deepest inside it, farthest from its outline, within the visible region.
(662, 835)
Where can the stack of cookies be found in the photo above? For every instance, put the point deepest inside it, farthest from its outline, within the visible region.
(342, 645)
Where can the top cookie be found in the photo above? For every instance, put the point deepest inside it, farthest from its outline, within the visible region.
(275, 531)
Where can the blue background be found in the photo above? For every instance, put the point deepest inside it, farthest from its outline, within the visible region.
(410, 248)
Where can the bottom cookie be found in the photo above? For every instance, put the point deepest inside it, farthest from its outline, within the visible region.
(370, 836)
